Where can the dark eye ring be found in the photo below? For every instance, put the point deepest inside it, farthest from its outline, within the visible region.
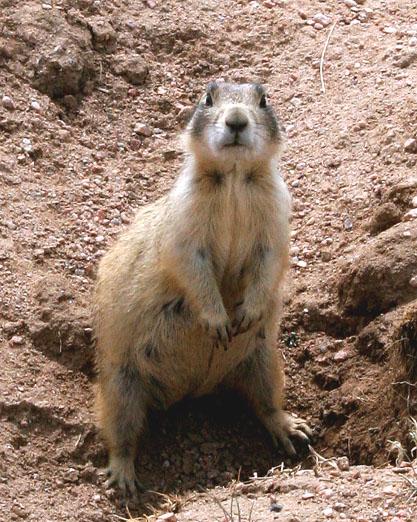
(262, 103)
(209, 101)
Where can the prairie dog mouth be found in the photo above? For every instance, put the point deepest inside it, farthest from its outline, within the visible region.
(237, 142)
(234, 144)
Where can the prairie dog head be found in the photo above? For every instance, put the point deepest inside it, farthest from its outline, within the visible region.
(234, 123)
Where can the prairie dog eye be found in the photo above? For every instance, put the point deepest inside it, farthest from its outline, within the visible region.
(262, 103)
(209, 101)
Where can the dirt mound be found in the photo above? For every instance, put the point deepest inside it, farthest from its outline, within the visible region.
(380, 276)
(57, 55)
(61, 327)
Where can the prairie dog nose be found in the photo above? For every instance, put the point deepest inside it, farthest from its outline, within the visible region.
(236, 121)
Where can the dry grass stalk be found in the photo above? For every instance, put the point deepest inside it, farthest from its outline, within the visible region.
(323, 88)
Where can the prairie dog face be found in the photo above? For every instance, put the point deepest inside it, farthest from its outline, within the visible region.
(234, 123)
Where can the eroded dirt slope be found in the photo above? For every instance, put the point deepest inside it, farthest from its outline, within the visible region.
(93, 95)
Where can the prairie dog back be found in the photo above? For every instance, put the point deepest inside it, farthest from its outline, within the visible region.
(189, 297)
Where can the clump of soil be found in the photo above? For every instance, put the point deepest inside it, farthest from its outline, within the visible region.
(377, 278)
(385, 216)
(61, 328)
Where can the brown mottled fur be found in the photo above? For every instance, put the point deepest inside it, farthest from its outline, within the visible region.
(189, 297)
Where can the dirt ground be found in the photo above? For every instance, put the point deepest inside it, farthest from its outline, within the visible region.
(93, 96)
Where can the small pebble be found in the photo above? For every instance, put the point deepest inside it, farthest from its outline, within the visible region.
(26, 145)
(327, 493)
(35, 105)
(7, 103)
(343, 465)
(339, 506)
(322, 19)
(142, 129)
(328, 512)
(410, 215)
(388, 490)
(413, 281)
(19, 511)
(307, 495)
(276, 508)
(17, 340)
(410, 145)
(347, 223)
(341, 355)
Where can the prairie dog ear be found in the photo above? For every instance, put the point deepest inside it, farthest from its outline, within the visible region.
(212, 87)
(260, 89)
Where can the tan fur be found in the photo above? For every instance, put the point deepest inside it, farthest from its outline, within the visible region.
(222, 248)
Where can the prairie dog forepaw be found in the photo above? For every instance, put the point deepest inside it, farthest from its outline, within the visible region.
(219, 329)
(121, 473)
(244, 319)
(283, 427)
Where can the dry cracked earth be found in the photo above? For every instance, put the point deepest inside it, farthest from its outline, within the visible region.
(93, 97)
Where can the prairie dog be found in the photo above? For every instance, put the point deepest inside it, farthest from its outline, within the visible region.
(189, 297)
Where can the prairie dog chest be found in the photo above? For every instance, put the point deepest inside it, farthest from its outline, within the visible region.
(243, 215)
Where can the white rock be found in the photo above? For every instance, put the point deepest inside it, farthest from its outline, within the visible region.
(388, 490)
(350, 3)
(302, 264)
(295, 101)
(36, 106)
(327, 493)
(26, 145)
(414, 201)
(410, 145)
(389, 30)
(328, 512)
(307, 495)
(143, 129)
(339, 506)
(411, 214)
(322, 19)
(413, 281)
